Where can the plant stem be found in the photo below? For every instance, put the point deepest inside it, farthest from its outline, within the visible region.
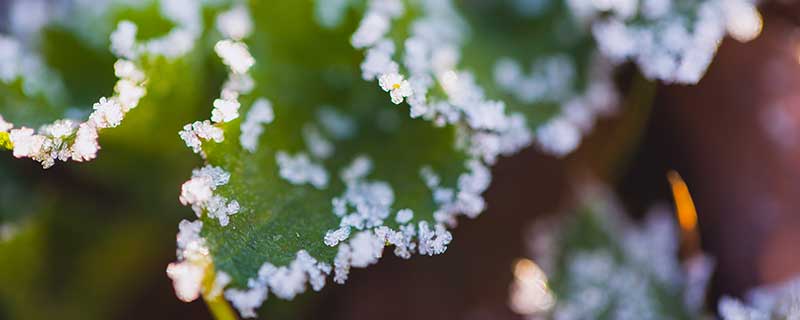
(220, 308)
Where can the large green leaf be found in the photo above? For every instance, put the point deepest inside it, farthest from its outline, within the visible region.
(277, 219)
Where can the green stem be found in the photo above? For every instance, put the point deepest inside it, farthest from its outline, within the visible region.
(220, 308)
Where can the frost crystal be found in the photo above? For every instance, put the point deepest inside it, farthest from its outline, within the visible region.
(339, 125)
(285, 282)
(246, 301)
(235, 23)
(123, 40)
(333, 237)
(187, 279)
(404, 216)
(397, 87)
(367, 248)
(108, 113)
(665, 45)
(253, 126)
(300, 170)
(372, 28)
(317, 145)
(26, 143)
(5, 126)
(234, 55)
(198, 193)
(225, 110)
(194, 134)
(357, 170)
(558, 137)
(64, 139)
(779, 301)
(379, 61)
(432, 242)
(187, 274)
(85, 146)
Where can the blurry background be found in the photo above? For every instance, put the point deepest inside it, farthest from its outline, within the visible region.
(94, 249)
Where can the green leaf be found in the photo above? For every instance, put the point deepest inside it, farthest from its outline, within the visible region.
(277, 218)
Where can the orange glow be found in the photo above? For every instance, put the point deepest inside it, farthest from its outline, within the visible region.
(529, 292)
(687, 215)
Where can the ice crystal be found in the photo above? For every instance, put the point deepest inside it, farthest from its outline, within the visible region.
(285, 282)
(397, 87)
(317, 145)
(225, 110)
(187, 274)
(246, 301)
(252, 127)
(404, 216)
(194, 134)
(299, 169)
(339, 125)
(235, 23)
(333, 237)
(198, 192)
(778, 301)
(235, 55)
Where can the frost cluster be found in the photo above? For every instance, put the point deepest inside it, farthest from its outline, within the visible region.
(252, 127)
(66, 139)
(366, 205)
(198, 192)
(780, 301)
(657, 35)
(187, 19)
(466, 199)
(187, 274)
(285, 282)
(235, 55)
(431, 56)
(299, 169)
(626, 279)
